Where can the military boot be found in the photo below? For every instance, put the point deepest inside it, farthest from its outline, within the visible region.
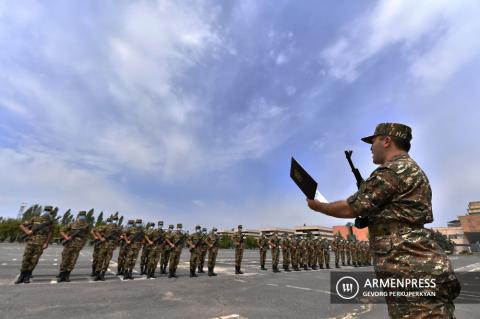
(262, 267)
(102, 276)
(237, 271)
(327, 266)
(336, 265)
(97, 276)
(119, 271)
(287, 269)
(67, 276)
(305, 267)
(170, 274)
(130, 274)
(192, 273)
(163, 270)
(93, 273)
(343, 263)
(61, 277)
(354, 264)
(28, 274)
(21, 278)
(314, 267)
(152, 274)
(321, 266)
(125, 274)
(142, 270)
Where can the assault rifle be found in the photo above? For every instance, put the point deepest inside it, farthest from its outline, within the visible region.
(36, 229)
(80, 233)
(360, 222)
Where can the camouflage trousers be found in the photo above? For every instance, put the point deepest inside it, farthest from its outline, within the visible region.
(304, 257)
(312, 257)
(132, 254)
(69, 257)
(238, 256)
(294, 257)
(320, 258)
(122, 254)
(31, 255)
(96, 251)
(337, 257)
(145, 253)
(194, 258)
(154, 257)
(349, 256)
(165, 257)
(342, 255)
(105, 255)
(440, 306)
(201, 260)
(286, 257)
(275, 256)
(326, 256)
(174, 259)
(212, 257)
(263, 256)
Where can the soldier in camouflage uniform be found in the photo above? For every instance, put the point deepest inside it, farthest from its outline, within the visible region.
(109, 236)
(319, 252)
(195, 242)
(262, 248)
(122, 252)
(74, 238)
(285, 244)
(39, 231)
(304, 252)
(150, 227)
(212, 245)
(348, 251)
(396, 199)
(342, 249)
(294, 251)
(238, 242)
(313, 253)
(336, 250)
(274, 243)
(203, 252)
(176, 241)
(134, 238)
(157, 237)
(166, 251)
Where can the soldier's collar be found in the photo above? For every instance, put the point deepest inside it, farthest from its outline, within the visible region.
(401, 156)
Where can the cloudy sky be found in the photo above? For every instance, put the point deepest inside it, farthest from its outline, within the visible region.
(189, 111)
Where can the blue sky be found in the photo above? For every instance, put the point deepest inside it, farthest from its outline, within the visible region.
(189, 111)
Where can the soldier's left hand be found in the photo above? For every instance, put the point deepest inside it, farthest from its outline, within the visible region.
(45, 246)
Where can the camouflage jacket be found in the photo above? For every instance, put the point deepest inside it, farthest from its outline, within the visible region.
(39, 237)
(398, 193)
(80, 230)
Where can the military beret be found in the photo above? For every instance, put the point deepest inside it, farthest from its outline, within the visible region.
(114, 217)
(138, 221)
(390, 129)
(109, 219)
(204, 229)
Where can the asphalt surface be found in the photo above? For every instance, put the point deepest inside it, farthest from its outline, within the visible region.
(255, 294)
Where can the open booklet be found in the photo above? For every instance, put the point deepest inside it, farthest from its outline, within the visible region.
(305, 182)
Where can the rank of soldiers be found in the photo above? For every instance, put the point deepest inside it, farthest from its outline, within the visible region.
(162, 248)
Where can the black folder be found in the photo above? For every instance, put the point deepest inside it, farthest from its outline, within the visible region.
(303, 180)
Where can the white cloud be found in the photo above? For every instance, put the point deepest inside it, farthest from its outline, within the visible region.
(451, 26)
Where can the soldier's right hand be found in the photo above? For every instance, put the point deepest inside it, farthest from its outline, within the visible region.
(30, 232)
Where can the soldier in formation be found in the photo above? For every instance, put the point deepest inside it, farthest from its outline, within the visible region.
(134, 238)
(74, 238)
(122, 253)
(203, 252)
(262, 248)
(212, 246)
(195, 242)
(109, 236)
(238, 242)
(176, 241)
(146, 248)
(285, 244)
(38, 233)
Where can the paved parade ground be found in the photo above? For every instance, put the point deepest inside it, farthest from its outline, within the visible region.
(255, 294)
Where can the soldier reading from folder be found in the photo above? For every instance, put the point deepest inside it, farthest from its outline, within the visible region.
(397, 200)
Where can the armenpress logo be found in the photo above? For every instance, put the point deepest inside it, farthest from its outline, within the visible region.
(347, 287)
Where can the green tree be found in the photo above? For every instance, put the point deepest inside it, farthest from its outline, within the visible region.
(443, 241)
(250, 242)
(225, 241)
(120, 221)
(99, 219)
(90, 218)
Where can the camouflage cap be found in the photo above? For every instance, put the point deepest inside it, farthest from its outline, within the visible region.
(47, 208)
(131, 222)
(109, 219)
(82, 213)
(160, 223)
(114, 217)
(240, 226)
(391, 129)
(179, 225)
(138, 221)
(198, 227)
(170, 226)
(214, 229)
(204, 229)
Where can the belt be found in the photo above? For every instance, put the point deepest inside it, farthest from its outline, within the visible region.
(385, 229)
